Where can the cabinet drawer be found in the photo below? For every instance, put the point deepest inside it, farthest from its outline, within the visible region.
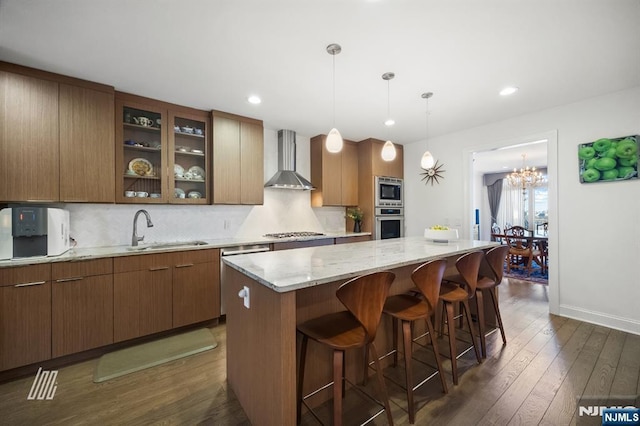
(87, 268)
(195, 257)
(25, 275)
(143, 262)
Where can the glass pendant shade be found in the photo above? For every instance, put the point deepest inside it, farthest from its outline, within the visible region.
(334, 141)
(427, 160)
(388, 151)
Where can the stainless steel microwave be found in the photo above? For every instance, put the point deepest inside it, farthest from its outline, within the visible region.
(389, 192)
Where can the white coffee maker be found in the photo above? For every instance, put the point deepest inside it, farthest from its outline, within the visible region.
(27, 231)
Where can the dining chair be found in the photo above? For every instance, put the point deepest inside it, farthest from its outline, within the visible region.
(364, 298)
(495, 230)
(521, 250)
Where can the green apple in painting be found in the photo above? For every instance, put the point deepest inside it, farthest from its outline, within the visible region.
(627, 148)
(586, 153)
(602, 145)
(591, 163)
(625, 171)
(628, 162)
(590, 175)
(610, 174)
(610, 153)
(605, 163)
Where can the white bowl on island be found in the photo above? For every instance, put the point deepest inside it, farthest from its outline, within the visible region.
(441, 235)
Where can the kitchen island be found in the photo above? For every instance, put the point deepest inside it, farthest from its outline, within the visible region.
(289, 287)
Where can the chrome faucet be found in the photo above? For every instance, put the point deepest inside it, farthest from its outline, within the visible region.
(134, 237)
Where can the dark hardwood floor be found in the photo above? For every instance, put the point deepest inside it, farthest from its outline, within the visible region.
(536, 378)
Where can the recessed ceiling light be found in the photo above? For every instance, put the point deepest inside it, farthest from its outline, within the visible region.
(254, 99)
(390, 122)
(508, 91)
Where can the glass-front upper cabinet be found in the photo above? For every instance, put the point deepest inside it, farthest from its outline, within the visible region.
(162, 153)
(189, 158)
(141, 155)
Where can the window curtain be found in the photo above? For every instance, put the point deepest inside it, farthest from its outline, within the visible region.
(495, 194)
(511, 207)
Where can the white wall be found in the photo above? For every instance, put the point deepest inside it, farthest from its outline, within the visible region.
(594, 228)
(101, 225)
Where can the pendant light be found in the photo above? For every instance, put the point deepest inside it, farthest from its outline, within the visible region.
(427, 162)
(388, 150)
(334, 140)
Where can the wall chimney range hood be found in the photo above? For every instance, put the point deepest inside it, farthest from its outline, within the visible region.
(286, 177)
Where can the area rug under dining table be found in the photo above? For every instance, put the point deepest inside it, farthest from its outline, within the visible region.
(536, 275)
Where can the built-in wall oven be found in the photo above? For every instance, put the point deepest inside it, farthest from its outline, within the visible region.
(232, 251)
(389, 223)
(388, 192)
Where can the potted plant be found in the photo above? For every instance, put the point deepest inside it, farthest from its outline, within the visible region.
(356, 214)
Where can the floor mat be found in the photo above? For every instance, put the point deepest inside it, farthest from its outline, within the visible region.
(150, 354)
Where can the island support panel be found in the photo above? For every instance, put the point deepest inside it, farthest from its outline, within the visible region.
(261, 351)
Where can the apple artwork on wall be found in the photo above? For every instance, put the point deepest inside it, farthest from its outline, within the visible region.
(609, 159)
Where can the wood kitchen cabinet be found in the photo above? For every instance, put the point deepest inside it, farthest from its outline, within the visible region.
(238, 159)
(157, 292)
(82, 305)
(371, 150)
(371, 164)
(25, 315)
(29, 154)
(142, 295)
(56, 142)
(335, 175)
(162, 152)
(196, 286)
(86, 145)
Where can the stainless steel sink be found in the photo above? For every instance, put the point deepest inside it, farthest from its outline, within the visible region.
(162, 246)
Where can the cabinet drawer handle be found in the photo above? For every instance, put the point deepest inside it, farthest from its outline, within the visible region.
(159, 268)
(30, 284)
(64, 280)
(184, 265)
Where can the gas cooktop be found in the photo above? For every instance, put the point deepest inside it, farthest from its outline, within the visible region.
(294, 234)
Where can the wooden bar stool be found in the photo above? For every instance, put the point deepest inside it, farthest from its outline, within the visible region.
(407, 308)
(364, 298)
(468, 266)
(490, 276)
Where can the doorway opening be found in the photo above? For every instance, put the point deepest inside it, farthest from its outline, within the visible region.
(501, 157)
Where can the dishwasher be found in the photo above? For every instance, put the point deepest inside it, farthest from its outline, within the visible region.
(232, 251)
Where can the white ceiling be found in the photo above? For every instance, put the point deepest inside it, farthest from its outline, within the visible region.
(212, 54)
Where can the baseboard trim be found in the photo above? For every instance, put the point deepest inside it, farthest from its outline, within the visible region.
(618, 323)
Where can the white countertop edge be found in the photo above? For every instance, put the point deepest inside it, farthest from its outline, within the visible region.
(354, 272)
(87, 253)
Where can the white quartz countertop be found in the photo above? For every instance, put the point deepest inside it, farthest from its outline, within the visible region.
(291, 270)
(76, 254)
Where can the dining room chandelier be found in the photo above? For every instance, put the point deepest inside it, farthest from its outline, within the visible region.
(526, 177)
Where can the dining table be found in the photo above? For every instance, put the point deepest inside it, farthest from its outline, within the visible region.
(538, 241)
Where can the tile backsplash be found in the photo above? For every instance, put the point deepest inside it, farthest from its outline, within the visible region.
(101, 225)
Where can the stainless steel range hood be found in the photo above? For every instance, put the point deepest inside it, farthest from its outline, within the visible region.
(286, 177)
